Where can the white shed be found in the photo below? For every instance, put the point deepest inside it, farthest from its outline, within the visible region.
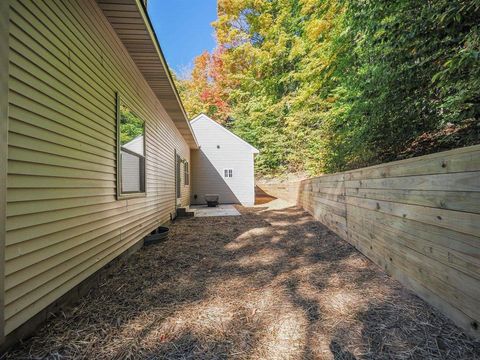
(223, 165)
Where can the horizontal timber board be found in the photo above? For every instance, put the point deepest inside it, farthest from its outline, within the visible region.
(462, 181)
(457, 160)
(463, 222)
(450, 200)
(448, 238)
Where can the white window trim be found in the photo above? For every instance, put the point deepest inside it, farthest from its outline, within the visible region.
(228, 173)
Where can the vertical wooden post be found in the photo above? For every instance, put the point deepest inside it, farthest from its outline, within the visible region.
(4, 50)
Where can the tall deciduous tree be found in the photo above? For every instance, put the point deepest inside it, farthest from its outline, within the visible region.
(323, 86)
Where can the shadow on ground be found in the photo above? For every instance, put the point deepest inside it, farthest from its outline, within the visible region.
(264, 285)
(261, 197)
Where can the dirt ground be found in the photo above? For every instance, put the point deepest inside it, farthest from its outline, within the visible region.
(265, 285)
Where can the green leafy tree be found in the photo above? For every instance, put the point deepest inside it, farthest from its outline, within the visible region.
(131, 126)
(325, 86)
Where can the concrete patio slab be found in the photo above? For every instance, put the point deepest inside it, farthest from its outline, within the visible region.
(220, 210)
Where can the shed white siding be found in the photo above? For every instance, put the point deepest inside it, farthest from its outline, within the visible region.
(132, 165)
(220, 150)
(136, 145)
(131, 181)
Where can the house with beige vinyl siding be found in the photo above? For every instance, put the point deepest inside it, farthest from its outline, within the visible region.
(74, 73)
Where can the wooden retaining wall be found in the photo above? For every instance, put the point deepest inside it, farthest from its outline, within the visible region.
(419, 219)
(287, 191)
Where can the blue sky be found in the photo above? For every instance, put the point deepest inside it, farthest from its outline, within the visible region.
(183, 28)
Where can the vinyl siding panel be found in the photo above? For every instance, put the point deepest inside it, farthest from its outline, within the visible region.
(63, 219)
(4, 109)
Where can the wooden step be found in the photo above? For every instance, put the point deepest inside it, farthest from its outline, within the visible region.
(185, 212)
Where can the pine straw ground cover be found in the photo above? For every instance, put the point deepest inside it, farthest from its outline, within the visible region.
(265, 285)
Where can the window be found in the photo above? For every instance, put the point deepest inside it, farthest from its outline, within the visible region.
(228, 173)
(186, 173)
(130, 152)
(178, 188)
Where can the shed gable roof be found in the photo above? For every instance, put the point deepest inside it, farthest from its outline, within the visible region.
(210, 120)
